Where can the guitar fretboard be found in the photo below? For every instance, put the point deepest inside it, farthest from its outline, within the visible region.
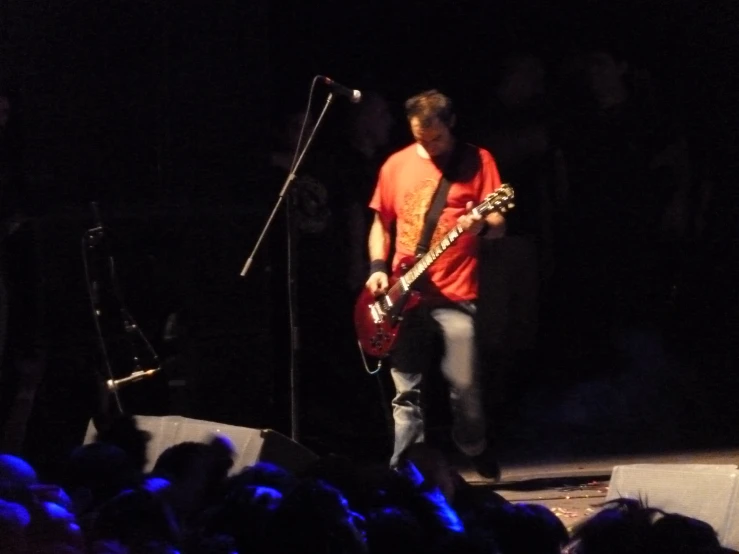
(432, 255)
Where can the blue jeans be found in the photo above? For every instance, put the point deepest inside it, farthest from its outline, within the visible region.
(454, 324)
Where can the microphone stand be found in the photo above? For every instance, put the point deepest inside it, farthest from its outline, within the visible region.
(292, 306)
(90, 240)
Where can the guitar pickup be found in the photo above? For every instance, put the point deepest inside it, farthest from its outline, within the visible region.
(377, 314)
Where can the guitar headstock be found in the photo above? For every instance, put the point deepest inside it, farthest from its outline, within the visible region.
(499, 201)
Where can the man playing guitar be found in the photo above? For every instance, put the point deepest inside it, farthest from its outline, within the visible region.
(403, 196)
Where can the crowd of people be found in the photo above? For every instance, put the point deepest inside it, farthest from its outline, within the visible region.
(193, 500)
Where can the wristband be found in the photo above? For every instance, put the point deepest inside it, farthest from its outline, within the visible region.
(378, 266)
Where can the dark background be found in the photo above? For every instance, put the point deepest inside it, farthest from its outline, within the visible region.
(163, 112)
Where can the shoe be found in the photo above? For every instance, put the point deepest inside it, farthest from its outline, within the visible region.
(486, 464)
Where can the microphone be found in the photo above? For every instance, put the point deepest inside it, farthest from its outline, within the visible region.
(354, 96)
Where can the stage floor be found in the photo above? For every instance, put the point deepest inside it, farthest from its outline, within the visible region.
(573, 489)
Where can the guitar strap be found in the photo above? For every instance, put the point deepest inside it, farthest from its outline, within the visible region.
(437, 203)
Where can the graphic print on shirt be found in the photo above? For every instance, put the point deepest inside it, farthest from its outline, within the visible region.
(415, 204)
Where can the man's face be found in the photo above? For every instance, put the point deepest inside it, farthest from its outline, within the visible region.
(435, 137)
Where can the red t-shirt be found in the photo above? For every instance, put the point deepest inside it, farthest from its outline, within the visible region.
(403, 195)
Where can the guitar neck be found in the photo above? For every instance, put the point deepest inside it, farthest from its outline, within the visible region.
(420, 267)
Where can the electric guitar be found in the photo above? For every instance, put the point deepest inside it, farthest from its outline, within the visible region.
(377, 319)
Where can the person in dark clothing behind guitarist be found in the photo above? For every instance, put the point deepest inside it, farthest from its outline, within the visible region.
(21, 352)
(328, 209)
(514, 271)
(356, 163)
(627, 179)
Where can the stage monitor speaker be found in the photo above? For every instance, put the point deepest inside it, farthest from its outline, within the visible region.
(251, 445)
(706, 492)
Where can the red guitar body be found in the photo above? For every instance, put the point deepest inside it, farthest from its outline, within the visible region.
(377, 320)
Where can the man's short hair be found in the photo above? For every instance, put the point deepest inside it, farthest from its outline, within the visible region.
(430, 105)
